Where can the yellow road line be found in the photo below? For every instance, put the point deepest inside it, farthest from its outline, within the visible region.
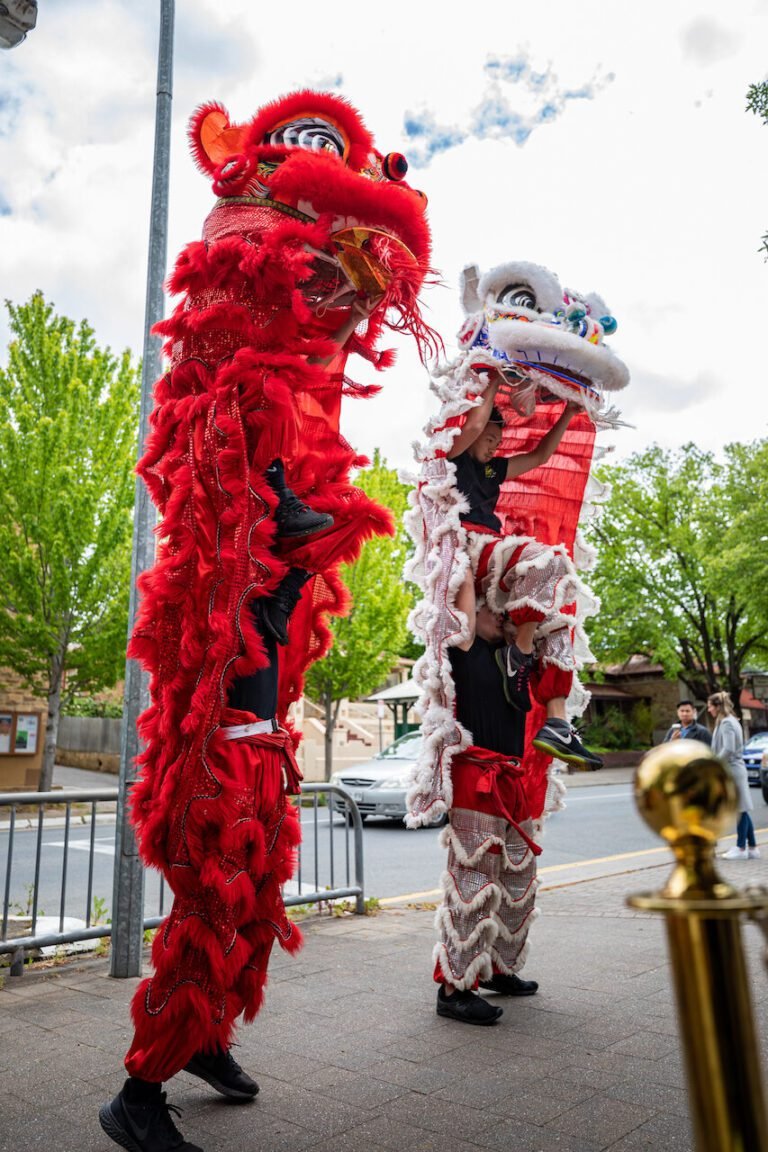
(412, 897)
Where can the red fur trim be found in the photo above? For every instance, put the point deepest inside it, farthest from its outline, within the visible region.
(309, 103)
(330, 187)
(197, 119)
(361, 391)
(240, 390)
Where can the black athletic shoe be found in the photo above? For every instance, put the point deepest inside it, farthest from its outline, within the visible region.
(467, 1007)
(515, 667)
(274, 618)
(295, 518)
(222, 1072)
(274, 611)
(512, 985)
(143, 1127)
(559, 739)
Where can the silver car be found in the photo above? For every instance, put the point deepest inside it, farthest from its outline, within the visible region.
(379, 786)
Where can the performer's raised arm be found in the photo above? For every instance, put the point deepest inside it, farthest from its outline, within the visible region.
(477, 419)
(547, 446)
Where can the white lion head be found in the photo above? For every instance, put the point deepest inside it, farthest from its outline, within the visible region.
(522, 322)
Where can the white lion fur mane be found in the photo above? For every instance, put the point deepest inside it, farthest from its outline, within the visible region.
(434, 517)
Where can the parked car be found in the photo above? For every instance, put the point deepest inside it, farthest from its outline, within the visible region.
(764, 770)
(753, 752)
(379, 786)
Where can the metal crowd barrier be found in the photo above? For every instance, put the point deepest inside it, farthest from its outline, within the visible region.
(333, 874)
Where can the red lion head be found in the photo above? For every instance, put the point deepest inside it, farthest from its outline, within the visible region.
(310, 154)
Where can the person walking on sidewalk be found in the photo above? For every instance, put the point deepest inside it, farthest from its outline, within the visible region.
(490, 880)
(688, 727)
(728, 744)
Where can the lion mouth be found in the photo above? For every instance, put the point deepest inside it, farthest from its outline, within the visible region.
(561, 372)
(361, 261)
(547, 350)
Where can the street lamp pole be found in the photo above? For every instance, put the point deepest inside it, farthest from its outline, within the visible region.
(128, 884)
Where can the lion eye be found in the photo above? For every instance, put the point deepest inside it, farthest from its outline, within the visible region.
(517, 296)
(313, 135)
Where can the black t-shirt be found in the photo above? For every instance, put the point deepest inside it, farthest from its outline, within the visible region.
(480, 483)
(481, 705)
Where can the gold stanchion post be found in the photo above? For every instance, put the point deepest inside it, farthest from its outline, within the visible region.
(687, 795)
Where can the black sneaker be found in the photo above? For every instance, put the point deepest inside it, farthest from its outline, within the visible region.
(222, 1072)
(512, 985)
(559, 739)
(274, 617)
(467, 1007)
(143, 1127)
(515, 667)
(295, 518)
(274, 611)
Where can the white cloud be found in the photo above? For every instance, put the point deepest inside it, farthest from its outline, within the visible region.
(708, 41)
(517, 99)
(630, 189)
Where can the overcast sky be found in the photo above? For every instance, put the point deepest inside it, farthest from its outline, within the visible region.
(608, 142)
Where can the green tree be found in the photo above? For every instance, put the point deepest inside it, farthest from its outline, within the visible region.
(367, 642)
(757, 102)
(681, 563)
(68, 420)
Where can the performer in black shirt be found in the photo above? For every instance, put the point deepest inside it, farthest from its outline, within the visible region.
(490, 879)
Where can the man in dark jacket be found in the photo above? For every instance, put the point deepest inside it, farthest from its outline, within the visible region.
(688, 728)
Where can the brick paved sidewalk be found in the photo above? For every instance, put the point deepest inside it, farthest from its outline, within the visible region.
(352, 1058)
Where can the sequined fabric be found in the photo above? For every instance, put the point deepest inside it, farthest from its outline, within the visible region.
(489, 891)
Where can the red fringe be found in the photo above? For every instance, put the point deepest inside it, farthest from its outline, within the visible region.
(335, 108)
(240, 390)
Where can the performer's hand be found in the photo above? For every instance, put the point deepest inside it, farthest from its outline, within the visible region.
(572, 409)
(360, 309)
(365, 306)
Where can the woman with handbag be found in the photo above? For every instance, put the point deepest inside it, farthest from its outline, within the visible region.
(728, 743)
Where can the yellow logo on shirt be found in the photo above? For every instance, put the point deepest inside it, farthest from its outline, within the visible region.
(490, 471)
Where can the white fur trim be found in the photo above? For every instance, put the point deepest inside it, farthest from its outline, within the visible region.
(433, 519)
(486, 929)
(451, 838)
(509, 970)
(546, 286)
(490, 895)
(481, 968)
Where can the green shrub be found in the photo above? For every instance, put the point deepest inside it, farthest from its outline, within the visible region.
(612, 731)
(87, 706)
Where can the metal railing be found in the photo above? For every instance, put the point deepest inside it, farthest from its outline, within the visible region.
(333, 871)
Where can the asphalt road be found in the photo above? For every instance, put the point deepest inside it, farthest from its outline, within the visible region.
(598, 833)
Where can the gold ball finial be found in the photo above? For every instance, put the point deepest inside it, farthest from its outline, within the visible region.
(684, 792)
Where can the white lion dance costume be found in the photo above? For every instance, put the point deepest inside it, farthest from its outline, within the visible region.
(548, 346)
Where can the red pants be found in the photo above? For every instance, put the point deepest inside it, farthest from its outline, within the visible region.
(234, 850)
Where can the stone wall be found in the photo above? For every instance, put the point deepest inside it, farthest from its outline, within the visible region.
(663, 696)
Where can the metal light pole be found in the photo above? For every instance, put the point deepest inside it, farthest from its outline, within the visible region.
(128, 886)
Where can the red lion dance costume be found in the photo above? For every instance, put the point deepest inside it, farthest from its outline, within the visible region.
(309, 217)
